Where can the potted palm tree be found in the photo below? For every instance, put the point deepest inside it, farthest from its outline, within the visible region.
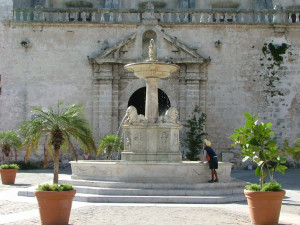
(10, 143)
(109, 144)
(256, 143)
(58, 129)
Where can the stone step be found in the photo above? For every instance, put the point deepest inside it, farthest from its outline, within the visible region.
(134, 192)
(204, 199)
(136, 185)
(157, 192)
(159, 199)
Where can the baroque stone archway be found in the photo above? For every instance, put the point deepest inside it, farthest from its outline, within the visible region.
(113, 86)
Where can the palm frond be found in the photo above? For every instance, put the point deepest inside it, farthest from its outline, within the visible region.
(58, 128)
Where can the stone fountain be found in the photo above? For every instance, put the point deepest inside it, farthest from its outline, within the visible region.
(151, 152)
(151, 138)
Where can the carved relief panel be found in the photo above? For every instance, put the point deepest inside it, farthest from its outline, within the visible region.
(174, 141)
(138, 140)
(163, 140)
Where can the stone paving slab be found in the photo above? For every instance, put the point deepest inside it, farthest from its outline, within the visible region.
(17, 210)
(147, 215)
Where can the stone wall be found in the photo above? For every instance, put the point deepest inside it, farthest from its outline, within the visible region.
(6, 9)
(174, 4)
(55, 66)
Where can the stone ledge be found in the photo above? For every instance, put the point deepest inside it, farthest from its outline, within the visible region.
(184, 172)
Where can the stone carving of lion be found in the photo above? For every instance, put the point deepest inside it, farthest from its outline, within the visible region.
(133, 117)
(171, 116)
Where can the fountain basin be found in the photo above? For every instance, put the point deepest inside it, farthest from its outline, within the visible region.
(122, 171)
(151, 69)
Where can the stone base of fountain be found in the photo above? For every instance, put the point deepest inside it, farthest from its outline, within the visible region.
(141, 182)
(122, 171)
(148, 157)
(151, 143)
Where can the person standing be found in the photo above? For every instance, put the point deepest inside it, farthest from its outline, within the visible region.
(212, 159)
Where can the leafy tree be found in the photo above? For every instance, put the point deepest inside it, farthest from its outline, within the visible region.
(293, 151)
(57, 129)
(109, 144)
(195, 125)
(257, 144)
(10, 143)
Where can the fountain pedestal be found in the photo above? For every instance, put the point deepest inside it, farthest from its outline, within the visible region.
(151, 106)
(152, 139)
(152, 143)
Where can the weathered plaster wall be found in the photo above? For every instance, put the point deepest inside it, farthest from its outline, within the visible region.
(55, 67)
(287, 3)
(173, 4)
(234, 83)
(6, 9)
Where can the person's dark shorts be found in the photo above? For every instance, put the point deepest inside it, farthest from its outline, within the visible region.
(213, 163)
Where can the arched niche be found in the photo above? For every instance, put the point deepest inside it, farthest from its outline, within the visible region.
(147, 36)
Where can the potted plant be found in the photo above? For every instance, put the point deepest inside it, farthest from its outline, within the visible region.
(57, 128)
(109, 144)
(8, 173)
(10, 143)
(256, 143)
(55, 203)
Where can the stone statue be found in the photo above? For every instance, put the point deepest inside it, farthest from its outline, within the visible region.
(133, 117)
(150, 6)
(171, 116)
(152, 50)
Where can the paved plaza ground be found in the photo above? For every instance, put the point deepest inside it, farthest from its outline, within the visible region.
(18, 210)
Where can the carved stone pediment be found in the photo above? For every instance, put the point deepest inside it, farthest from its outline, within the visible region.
(129, 50)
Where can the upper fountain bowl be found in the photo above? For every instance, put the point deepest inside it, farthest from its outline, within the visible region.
(151, 69)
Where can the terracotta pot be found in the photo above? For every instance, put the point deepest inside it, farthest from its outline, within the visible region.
(264, 207)
(8, 176)
(55, 206)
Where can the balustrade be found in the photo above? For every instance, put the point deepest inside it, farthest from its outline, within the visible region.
(163, 16)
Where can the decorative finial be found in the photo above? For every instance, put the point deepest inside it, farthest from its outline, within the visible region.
(150, 6)
(151, 50)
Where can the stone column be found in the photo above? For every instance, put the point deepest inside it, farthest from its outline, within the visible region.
(95, 110)
(105, 107)
(192, 95)
(103, 99)
(115, 99)
(182, 93)
(151, 107)
(192, 87)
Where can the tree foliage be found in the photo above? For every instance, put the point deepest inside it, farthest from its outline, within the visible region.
(257, 144)
(57, 129)
(293, 151)
(10, 143)
(109, 144)
(194, 142)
